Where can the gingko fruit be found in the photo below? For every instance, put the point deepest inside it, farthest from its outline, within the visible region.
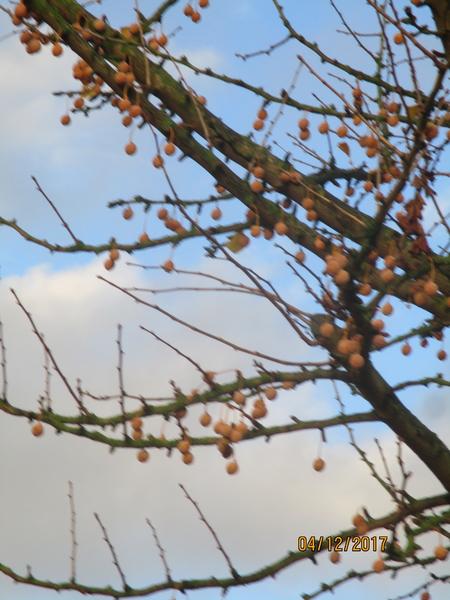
(377, 324)
(281, 228)
(318, 464)
(442, 355)
(65, 119)
(130, 148)
(440, 552)
(420, 298)
(307, 203)
(37, 429)
(258, 124)
(205, 419)
(183, 446)
(188, 10)
(262, 114)
(288, 385)
(356, 361)
(425, 595)
(343, 346)
(258, 172)
(255, 230)
(168, 266)
(135, 111)
(387, 275)
(379, 341)
(365, 289)
(143, 456)
(430, 288)
(242, 240)
(235, 435)
(387, 309)
(300, 256)
(232, 467)
(195, 16)
(57, 49)
(342, 277)
(398, 38)
(406, 349)
(188, 458)
(271, 393)
(108, 264)
(99, 25)
(136, 423)
(389, 261)
(323, 127)
(127, 213)
(137, 434)
(143, 238)
(327, 330)
(114, 254)
(335, 557)
(311, 215)
(216, 214)
(379, 565)
(257, 186)
(319, 243)
(341, 131)
(158, 161)
(169, 148)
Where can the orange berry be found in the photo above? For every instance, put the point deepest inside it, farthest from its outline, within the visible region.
(262, 114)
(425, 595)
(406, 349)
(365, 289)
(281, 228)
(216, 214)
(318, 464)
(357, 120)
(130, 148)
(65, 119)
(168, 266)
(258, 124)
(257, 186)
(430, 288)
(268, 234)
(232, 467)
(162, 214)
(205, 419)
(196, 16)
(368, 186)
(169, 148)
(127, 120)
(303, 124)
(78, 103)
(127, 213)
(124, 104)
(342, 277)
(387, 275)
(137, 434)
(188, 10)
(335, 557)
(387, 309)
(356, 361)
(398, 38)
(327, 330)
(311, 215)
(120, 78)
(440, 552)
(188, 458)
(271, 393)
(305, 134)
(341, 131)
(255, 230)
(143, 456)
(300, 256)
(21, 11)
(442, 355)
(319, 244)
(108, 264)
(33, 46)
(162, 40)
(307, 203)
(136, 423)
(243, 240)
(143, 238)
(99, 25)
(135, 111)
(114, 254)
(37, 429)
(134, 28)
(392, 120)
(239, 397)
(57, 49)
(379, 565)
(323, 127)
(258, 172)
(377, 324)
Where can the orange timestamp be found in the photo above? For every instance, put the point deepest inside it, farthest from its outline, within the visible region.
(340, 544)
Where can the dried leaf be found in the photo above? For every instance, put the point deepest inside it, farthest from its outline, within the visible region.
(344, 147)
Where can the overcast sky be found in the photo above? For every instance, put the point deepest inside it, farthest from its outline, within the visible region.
(259, 513)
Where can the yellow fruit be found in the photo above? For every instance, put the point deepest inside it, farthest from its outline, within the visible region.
(205, 419)
(257, 186)
(65, 119)
(335, 557)
(271, 393)
(379, 565)
(127, 213)
(168, 266)
(440, 552)
(37, 429)
(130, 148)
(136, 423)
(239, 397)
(318, 464)
(216, 214)
(281, 228)
(232, 467)
(143, 456)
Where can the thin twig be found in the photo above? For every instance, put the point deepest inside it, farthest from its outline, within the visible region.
(162, 554)
(120, 372)
(72, 235)
(233, 571)
(3, 364)
(73, 556)
(115, 561)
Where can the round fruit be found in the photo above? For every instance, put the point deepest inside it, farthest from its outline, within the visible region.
(342, 277)
(356, 361)
(136, 423)
(195, 16)
(442, 355)
(143, 456)
(305, 134)
(37, 429)
(365, 289)
(99, 25)
(303, 124)
(318, 464)
(57, 49)
(216, 214)
(162, 214)
(440, 552)
(288, 385)
(257, 186)
(379, 341)
(262, 114)
(130, 148)
(268, 234)
(425, 596)
(127, 120)
(137, 434)
(188, 10)
(335, 557)
(379, 565)
(21, 11)
(158, 161)
(143, 238)
(127, 213)
(341, 131)
(135, 111)
(108, 264)
(169, 149)
(319, 244)
(243, 240)
(430, 288)
(323, 127)
(255, 230)
(387, 275)
(387, 309)
(188, 458)
(258, 172)
(65, 119)
(398, 38)
(78, 103)
(307, 203)
(205, 419)
(258, 124)
(406, 349)
(281, 228)
(183, 446)
(239, 397)
(420, 298)
(114, 254)
(232, 467)
(168, 266)
(300, 256)
(377, 324)
(271, 393)
(327, 330)
(311, 215)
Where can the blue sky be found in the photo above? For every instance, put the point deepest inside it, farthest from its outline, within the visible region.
(276, 496)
